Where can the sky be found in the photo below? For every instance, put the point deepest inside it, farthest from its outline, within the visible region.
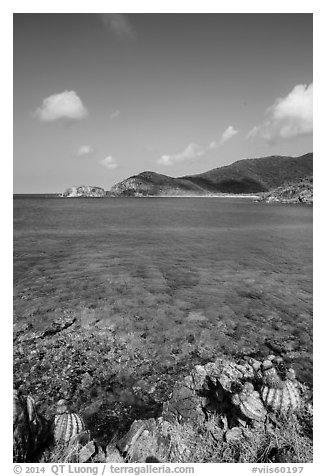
(101, 97)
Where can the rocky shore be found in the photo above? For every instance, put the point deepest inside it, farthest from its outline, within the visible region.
(299, 191)
(90, 191)
(247, 410)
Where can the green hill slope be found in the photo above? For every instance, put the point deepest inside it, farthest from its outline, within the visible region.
(243, 176)
(255, 175)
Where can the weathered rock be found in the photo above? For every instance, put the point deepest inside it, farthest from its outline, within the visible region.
(59, 325)
(185, 403)
(84, 191)
(81, 439)
(296, 191)
(224, 372)
(132, 436)
(199, 377)
(154, 440)
(100, 455)
(79, 450)
(112, 455)
(87, 380)
(207, 388)
(86, 452)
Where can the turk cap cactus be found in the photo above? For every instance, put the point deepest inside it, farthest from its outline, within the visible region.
(249, 403)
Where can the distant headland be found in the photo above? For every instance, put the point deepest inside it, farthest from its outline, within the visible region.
(274, 178)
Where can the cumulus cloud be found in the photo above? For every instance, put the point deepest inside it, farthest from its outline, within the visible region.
(109, 162)
(213, 145)
(253, 132)
(120, 25)
(288, 117)
(84, 150)
(115, 114)
(193, 150)
(228, 134)
(190, 152)
(65, 105)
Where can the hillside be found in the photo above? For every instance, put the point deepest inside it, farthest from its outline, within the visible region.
(152, 183)
(243, 176)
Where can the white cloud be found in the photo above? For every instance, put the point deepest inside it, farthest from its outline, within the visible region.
(115, 114)
(120, 25)
(190, 152)
(109, 162)
(84, 150)
(65, 105)
(228, 134)
(288, 117)
(253, 132)
(193, 150)
(213, 145)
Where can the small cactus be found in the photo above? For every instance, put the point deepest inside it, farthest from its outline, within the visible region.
(282, 400)
(66, 424)
(249, 402)
(270, 376)
(279, 392)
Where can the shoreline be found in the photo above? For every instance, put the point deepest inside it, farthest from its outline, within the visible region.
(44, 195)
(200, 196)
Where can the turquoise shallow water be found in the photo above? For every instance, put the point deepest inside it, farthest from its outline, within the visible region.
(183, 276)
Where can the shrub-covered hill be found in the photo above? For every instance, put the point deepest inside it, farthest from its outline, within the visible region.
(152, 183)
(244, 176)
(255, 175)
